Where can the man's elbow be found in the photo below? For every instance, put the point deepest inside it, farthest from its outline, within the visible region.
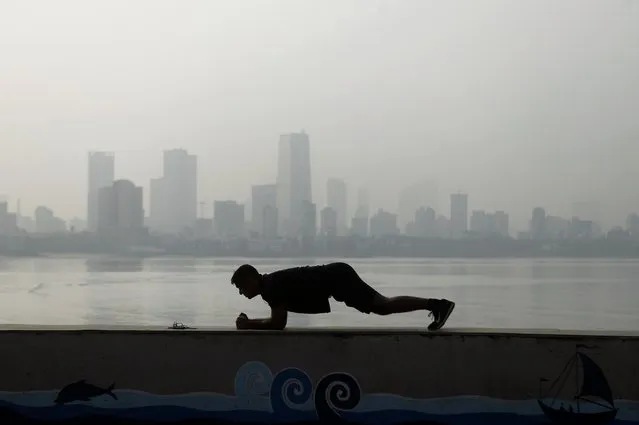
(278, 325)
(278, 319)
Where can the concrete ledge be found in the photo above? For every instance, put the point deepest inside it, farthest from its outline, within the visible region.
(301, 376)
(335, 331)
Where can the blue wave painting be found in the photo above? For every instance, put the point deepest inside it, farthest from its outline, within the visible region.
(287, 397)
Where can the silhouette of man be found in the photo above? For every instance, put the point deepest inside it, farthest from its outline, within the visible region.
(307, 290)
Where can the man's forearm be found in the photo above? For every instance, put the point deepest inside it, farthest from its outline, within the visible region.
(263, 324)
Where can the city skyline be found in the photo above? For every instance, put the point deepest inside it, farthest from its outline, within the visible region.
(285, 219)
(180, 170)
(119, 207)
(182, 165)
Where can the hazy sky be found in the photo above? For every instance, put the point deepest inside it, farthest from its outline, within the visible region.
(519, 103)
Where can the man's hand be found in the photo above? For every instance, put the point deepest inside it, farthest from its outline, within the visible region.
(277, 321)
(242, 321)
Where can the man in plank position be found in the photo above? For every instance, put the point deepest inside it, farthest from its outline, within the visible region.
(307, 290)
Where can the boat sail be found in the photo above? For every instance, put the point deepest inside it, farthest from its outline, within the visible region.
(594, 390)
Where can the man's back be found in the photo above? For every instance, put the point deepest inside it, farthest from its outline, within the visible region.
(300, 289)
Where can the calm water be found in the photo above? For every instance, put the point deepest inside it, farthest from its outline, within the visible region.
(558, 294)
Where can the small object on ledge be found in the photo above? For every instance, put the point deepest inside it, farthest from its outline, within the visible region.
(179, 325)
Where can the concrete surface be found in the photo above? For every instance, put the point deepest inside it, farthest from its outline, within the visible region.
(505, 364)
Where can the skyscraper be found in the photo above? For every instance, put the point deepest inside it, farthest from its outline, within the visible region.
(383, 224)
(120, 207)
(308, 227)
(8, 221)
(293, 181)
(262, 197)
(101, 172)
(336, 199)
(360, 221)
(363, 203)
(538, 223)
(269, 223)
(179, 189)
(228, 217)
(158, 204)
(458, 215)
(328, 222)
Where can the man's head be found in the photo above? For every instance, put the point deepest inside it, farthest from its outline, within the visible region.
(247, 279)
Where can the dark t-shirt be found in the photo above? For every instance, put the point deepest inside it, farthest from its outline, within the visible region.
(303, 290)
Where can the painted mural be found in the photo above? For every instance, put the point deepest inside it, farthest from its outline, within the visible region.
(289, 397)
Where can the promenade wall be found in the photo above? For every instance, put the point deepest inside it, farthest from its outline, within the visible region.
(146, 376)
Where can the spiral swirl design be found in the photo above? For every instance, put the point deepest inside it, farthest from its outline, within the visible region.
(336, 392)
(290, 387)
(253, 378)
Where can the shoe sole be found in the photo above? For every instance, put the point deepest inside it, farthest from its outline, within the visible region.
(445, 317)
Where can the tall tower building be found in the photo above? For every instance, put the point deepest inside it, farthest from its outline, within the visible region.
(101, 172)
(458, 215)
(293, 181)
(336, 199)
(538, 223)
(178, 190)
(263, 197)
(120, 207)
(228, 217)
(158, 204)
(308, 226)
(328, 222)
(363, 203)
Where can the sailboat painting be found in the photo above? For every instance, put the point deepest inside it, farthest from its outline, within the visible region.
(592, 403)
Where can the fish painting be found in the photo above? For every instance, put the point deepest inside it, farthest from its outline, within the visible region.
(83, 391)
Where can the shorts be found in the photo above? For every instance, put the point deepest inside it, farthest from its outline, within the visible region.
(350, 289)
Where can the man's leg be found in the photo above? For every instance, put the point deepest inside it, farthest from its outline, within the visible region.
(440, 309)
(354, 292)
(403, 304)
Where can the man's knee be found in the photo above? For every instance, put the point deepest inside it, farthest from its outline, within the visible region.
(380, 306)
